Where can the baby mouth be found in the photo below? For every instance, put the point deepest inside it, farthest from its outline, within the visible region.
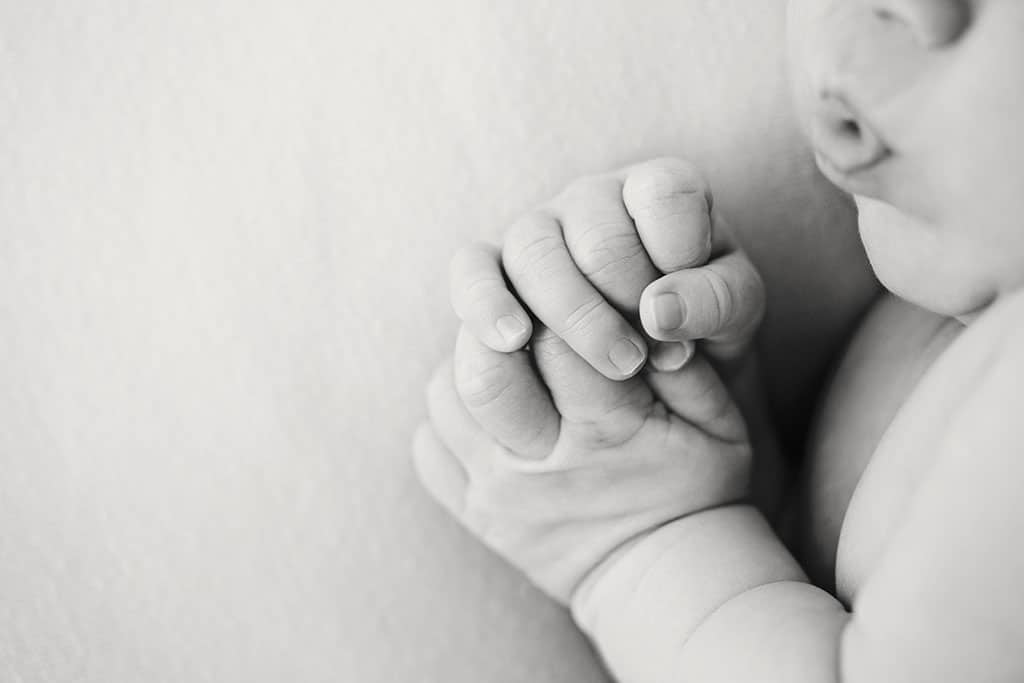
(845, 144)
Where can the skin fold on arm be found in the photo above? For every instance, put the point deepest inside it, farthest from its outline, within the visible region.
(938, 605)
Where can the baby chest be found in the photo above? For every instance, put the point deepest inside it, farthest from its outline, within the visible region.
(906, 453)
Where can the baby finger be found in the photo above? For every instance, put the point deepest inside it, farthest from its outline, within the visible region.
(482, 300)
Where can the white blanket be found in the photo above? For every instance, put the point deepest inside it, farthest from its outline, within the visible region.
(224, 227)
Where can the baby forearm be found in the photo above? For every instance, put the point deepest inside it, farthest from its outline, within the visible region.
(711, 597)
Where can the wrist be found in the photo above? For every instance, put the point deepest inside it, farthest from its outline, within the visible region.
(646, 599)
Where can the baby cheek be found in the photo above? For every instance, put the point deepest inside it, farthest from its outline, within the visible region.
(975, 163)
(979, 114)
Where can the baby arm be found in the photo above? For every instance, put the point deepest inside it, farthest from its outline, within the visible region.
(624, 499)
(640, 243)
(548, 455)
(518, 440)
(714, 597)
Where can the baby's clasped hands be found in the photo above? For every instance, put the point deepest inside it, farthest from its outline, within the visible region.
(545, 439)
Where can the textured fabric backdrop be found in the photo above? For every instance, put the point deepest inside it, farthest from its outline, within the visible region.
(223, 232)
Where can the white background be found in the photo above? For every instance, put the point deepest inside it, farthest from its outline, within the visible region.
(223, 233)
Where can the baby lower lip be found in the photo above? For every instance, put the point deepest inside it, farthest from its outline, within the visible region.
(843, 168)
(853, 180)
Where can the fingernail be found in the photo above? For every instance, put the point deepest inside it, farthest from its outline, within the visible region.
(668, 311)
(626, 356)
(671, 356)
(511, 329)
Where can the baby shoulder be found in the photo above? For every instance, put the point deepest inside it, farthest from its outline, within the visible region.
(990, 417)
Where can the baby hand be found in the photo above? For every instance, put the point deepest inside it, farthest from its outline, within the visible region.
(555, 466)
(608, 250)
(553, 460)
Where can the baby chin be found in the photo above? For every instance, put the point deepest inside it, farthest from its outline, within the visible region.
(925, 264)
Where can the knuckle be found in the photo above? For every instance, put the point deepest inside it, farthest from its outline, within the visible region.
(533, 244)
(537, 257)
(481, 295)
(605, 255)
(473, 276)
(619, 422)
(660, 184)
(721, 298)
(585, 317)
(482, 386)
(548, 348)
